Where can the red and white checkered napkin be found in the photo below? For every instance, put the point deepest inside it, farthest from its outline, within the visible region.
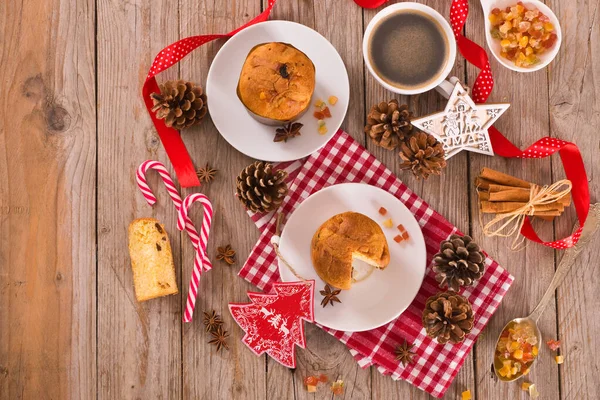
(435, 366)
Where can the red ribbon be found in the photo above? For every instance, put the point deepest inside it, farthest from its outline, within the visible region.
(482, 87)
(169, 56)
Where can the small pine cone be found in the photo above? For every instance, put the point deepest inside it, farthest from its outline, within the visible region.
(260, 188)
(460, 262)
(422, 154)
(448, 317)
(181, 104)
(388, 124)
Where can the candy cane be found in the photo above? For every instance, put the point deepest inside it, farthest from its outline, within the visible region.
(200, 245)
(201, 258)
(140, 177)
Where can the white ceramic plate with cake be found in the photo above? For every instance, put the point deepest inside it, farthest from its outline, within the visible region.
(379, 296)
(263, 78)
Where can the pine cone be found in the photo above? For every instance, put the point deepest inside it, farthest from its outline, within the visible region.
(181, 104)
(388, 124)
(422, 154)
(448, 317)
(460, 262)
(260, 188)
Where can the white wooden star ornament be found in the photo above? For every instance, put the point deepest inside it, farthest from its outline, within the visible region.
(463, 125)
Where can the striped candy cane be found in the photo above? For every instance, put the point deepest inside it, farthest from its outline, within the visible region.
(200, 245)
(201, 256)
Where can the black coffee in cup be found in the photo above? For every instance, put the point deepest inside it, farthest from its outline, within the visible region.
(408, 49)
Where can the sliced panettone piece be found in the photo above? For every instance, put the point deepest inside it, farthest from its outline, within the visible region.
(342, 239)
(151, 260)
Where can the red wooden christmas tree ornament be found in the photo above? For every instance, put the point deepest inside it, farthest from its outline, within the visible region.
(273, 322)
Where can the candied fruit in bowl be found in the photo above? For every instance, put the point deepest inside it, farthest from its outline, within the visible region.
(524, 33)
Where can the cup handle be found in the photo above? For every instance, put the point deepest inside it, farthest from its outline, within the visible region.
(446, 87)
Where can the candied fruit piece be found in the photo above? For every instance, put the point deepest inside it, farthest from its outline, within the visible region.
(326, 112)
(531, 14)
(528, 51)
(525, 386)
(494, 20)
(553, 344)
(513, 346)
(398, 238)
(322, 129)
(550, 41)
(524, 26)
(320, 122)
(548, 26)
(323, 378)
(534, 350)
(319, 115)
(518, 354)
(310, 380)
(338, 387)
(382, 210)
(319, 103)
(533, 392)
(405, 235)
(311, 388)
(466, 395)
(505, 43)
(505, 27)
(526, 372)
(496, 11)
(559, 359)
(332, 100)
(388, 223)
(523, 42)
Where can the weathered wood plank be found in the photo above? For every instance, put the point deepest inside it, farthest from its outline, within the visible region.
(573, 90)
(237, 373)
(448, 194)
(524, 122)
(139, 344)
(324, 353)
(47, 195)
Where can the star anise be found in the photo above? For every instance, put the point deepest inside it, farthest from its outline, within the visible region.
(329, 295)
(206, 174)
(212, 320)
(287, 132)
(404, 353)
(220, 338)
(226, 254)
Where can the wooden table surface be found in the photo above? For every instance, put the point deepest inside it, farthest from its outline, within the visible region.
(73, 129)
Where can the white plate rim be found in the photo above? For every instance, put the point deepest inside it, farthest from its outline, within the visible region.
(326, 43)
(420, 239)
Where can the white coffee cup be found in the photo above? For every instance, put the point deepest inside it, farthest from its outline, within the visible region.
(439, 83)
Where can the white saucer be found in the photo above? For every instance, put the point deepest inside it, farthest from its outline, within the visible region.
(245, 133)
(385, 294)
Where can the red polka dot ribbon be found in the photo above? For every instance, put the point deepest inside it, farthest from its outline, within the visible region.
(166, 58)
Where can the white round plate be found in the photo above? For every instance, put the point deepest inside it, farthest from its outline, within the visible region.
(385, 294)
(248, 135)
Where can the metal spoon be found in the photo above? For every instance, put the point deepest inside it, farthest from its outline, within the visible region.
(591, 226)
(494, 44)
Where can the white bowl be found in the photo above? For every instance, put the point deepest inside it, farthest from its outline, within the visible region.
(494, 44)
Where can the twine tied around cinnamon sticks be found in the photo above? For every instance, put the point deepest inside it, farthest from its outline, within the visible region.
(513, 199)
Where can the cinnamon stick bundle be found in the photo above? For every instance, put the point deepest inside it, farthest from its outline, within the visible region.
(500, 193)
